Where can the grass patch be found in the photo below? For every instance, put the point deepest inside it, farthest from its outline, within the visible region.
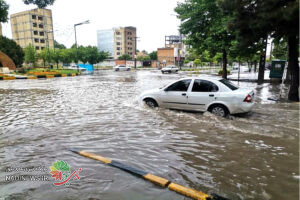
(43, 71)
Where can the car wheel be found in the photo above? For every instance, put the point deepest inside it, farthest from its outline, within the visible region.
(128, 69)
(219, 110)
(162, 72)
(169, 72)
(151, 103)
(116, 69)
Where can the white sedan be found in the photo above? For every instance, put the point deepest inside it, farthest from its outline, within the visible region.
(169, 69)
(216, 95)
(122, 68)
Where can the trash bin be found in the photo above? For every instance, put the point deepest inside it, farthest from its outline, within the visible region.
(277, 68)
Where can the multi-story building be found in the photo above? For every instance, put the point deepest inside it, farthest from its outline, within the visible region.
(33, 27)
(117, 41)
(174, 51)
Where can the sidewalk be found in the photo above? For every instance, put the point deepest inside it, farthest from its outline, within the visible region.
(248, 76)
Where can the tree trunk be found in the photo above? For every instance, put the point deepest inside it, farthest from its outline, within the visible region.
(224, 59)
(255, 66)
(262, 63)
(294, 68)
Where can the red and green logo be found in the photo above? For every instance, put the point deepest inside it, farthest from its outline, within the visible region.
(61, 171)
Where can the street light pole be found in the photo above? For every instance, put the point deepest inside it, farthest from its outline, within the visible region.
(85, 22)
(76, 61)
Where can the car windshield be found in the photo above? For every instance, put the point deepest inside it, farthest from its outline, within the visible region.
(229, 84)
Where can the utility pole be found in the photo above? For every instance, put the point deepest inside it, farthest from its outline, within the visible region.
(135, 39)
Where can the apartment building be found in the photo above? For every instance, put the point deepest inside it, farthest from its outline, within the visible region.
(117, 41)
(33, 27)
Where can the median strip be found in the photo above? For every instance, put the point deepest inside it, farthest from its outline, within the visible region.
(150, 177)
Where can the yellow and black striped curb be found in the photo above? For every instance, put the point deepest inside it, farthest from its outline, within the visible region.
(38, 76)
(153, 178)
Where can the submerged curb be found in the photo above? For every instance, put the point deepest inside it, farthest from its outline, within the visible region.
(150, 177)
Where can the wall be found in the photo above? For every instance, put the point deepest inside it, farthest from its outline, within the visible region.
(166, 54)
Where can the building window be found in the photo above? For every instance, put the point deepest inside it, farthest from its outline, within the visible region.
(40, 18)
(35, 32)
(118, 53)
(37, 48)
(36, 40)
(42, 33)
(41, 26)
(118, 48)
(42, 48)
(34, 24)
(33, 16)
(118, 33)
(42, 41)
(118, 43)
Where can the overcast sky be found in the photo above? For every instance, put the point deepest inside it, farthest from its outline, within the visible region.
(153, 19)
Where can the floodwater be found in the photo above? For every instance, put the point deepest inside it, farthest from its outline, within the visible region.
(250, 156)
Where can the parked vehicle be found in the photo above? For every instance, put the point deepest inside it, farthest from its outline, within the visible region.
(218, 96)
(122, 68)
(169, 69)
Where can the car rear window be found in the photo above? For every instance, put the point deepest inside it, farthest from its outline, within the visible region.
(229, 84)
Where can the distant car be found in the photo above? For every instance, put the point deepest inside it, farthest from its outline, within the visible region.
(169, 69)
(218, 96)
(122, 68)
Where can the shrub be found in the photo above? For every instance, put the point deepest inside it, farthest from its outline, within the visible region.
(221, 72)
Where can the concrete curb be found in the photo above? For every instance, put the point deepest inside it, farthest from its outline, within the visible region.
(37, 77)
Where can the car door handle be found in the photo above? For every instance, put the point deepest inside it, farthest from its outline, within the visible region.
(183, 94)
(211, 95)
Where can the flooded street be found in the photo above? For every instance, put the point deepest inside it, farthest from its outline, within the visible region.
(250, 156)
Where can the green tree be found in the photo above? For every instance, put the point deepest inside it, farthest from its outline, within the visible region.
(197, 62)
(56, 56)
(92, 54)
(254, 21)
(3, 11)
(57, 45)
(102, 55)
(12, 50)
(124, 57)
(66, 56)
(30, 55)
(217, 58)
(186, 61)
(45, 55)
(82, 54)
(143, 58)
(280, 49)
(153, 55)
(39, 3)
(205, 24)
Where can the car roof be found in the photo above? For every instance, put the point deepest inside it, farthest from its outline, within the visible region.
(203, 77)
